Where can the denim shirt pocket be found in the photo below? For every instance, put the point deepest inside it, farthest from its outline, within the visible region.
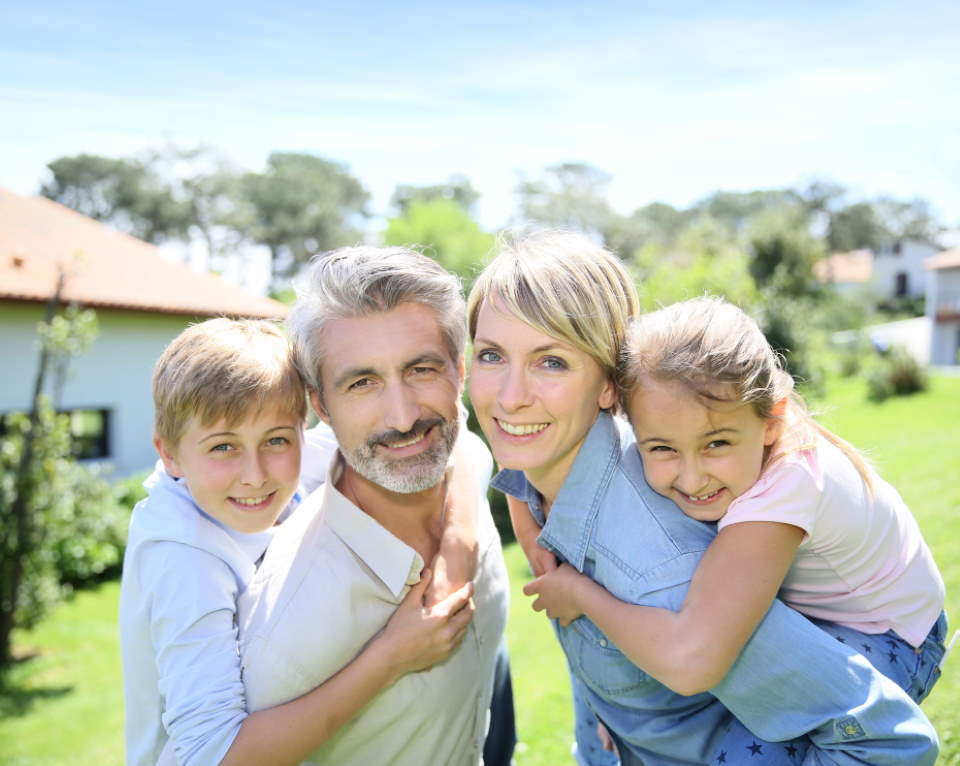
(598, 662)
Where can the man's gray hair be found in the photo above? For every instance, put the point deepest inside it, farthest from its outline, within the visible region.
(354, 282)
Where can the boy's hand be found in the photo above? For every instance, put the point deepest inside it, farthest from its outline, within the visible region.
(420, 636)
(556, 593)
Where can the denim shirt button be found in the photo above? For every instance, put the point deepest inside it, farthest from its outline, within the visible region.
(603, 642)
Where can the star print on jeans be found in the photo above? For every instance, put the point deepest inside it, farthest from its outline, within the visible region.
(722, 758)
(792, 750)
(892, 657)
(755, 749)
(867, 648)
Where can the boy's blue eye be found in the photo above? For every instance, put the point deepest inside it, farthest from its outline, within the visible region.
(716, 443)
(277, 441)
(221, 447)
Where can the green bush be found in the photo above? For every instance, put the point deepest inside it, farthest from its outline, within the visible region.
(77, 528)
(895, 374)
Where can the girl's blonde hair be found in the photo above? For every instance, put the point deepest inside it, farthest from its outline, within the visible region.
(705, 343)
(564, 285)
(228, 369)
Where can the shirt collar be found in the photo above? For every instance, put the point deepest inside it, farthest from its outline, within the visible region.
(392, 560)
(574, 512)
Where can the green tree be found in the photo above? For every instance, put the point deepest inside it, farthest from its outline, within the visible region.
(446, 232)
(457, 189)
(783, 250)
(303, 204)
(568, 195)
(855, 227)
(704, 258)
(123, 192)
(210, 187)
(39, 483)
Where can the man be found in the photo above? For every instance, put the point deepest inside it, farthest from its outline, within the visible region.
(379, 335)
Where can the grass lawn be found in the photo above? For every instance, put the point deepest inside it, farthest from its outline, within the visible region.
(63, 705)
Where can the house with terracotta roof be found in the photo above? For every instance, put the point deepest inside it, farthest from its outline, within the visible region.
(142, 302)
(846, 272)
(943, 306)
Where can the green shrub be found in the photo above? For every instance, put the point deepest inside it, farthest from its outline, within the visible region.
(896, 373)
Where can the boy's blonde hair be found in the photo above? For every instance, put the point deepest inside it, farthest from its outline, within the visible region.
(706, 342)
(565, 286)
(224, 369)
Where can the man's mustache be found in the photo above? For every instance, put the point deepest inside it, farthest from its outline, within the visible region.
(393, 436)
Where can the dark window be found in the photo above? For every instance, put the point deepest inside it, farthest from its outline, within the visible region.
(89, 432)
(897, 247)
(903, 281)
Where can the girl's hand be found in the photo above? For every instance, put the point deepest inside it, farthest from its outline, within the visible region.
(556, 592)
(420, 636)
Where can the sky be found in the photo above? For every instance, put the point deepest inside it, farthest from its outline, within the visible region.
(674, 100)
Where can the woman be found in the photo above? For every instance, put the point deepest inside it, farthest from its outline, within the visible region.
(547, 318)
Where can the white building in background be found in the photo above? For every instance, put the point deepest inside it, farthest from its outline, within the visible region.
(142, 301)
(898, 269)
(943, 306)
(848, 273)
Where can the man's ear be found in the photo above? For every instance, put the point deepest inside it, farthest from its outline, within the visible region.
(317, 403)
(166, 455)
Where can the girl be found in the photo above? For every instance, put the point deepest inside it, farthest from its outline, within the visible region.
(722, 433)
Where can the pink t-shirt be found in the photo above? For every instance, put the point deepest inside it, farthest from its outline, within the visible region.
(863, 562)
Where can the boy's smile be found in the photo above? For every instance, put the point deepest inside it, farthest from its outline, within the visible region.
(243, 474)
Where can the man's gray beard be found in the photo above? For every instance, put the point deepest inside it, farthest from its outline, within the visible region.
(411, 474)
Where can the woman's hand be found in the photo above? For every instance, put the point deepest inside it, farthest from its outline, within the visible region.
(557, 593)
(420, 636)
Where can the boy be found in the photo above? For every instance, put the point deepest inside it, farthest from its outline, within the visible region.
(230, 408)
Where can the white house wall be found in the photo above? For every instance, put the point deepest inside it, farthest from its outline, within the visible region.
(944, 294)
(886, 266)
(114, 374)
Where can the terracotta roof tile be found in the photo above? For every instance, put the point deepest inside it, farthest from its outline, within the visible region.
(948, 259)
(104, 267)
(845, 268)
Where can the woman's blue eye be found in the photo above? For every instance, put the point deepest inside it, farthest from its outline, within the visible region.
(554, 363)
(488, 356)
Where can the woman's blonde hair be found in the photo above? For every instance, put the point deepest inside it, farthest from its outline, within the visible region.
(226, 369)
(564, 285)
(705, 343)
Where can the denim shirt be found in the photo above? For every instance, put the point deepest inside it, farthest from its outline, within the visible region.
(791, 679)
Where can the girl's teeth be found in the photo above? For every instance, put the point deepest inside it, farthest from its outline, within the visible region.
(703, 497)
(522, 430)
